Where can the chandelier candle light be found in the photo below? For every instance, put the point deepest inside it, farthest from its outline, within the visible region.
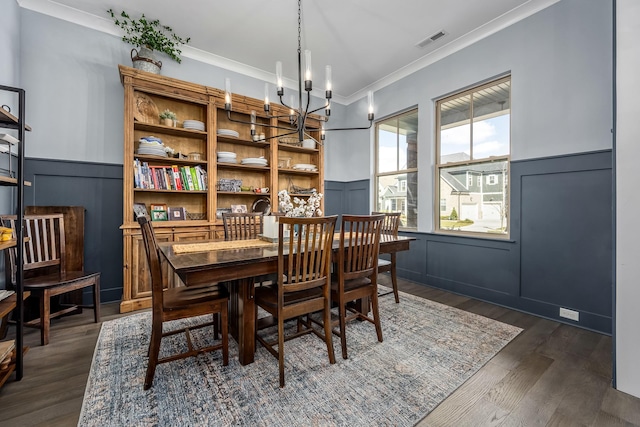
(297, 117)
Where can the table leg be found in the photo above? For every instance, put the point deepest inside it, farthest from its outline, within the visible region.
(242, 319)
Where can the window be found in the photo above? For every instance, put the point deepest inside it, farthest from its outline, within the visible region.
(443, 205)
(473, 140)
(396, 172)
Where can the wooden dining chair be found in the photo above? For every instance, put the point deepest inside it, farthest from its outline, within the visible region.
(241, 226)
(180, 303)
(356, 272)
(45, 269)
(303, 284)
(389, 228)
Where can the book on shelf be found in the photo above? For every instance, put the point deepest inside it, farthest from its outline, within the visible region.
(183, 175)
(171, 182)
(202, 175)
(194, 176)
(176, 177)
(187, 171)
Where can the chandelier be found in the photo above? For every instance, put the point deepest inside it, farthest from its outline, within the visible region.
(297, 117)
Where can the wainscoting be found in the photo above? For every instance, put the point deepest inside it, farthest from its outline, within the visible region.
(97, 187)
(559, 253)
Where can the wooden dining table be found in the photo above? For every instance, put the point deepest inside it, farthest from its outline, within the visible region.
(237, 265)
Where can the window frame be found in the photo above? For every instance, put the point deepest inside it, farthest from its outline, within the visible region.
(440, 166)
(407, 171)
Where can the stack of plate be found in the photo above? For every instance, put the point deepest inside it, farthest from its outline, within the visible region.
(150, 145)
(228, 132)
(254, 161)
(305, 167)
(226, 157)
(193, 124)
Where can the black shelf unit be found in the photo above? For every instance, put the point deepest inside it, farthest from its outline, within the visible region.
(9, 121)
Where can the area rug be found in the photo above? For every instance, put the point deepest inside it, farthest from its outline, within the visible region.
(429, 350)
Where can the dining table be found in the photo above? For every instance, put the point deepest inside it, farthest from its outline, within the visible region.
(237, 263)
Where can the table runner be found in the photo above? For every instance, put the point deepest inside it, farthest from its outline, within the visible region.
(182, 248)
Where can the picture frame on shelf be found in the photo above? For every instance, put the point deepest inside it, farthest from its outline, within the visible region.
(139, 209)
(177, 213)
(158, 215)
(158, 207)
(239, 208)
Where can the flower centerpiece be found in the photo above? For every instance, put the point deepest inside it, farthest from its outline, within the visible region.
(300, 207)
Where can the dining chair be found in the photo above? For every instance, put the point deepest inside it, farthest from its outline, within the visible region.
(356, 272)
(389, 228)
(45, 269)
(181, 303)
(303, 283)
(241, 226)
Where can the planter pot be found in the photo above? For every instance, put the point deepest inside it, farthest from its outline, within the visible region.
(166, 122)
(145, 60)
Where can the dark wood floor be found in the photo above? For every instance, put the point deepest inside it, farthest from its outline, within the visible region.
(550, 375)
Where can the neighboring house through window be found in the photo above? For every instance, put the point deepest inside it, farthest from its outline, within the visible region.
(473, 140)
(396, 172)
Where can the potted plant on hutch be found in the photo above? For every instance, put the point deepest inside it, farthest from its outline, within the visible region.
(149, 36)
(168, 118)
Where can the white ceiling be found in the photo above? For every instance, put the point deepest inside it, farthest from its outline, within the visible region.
(368, 43)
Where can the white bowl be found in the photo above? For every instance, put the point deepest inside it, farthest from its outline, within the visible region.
(309, 143)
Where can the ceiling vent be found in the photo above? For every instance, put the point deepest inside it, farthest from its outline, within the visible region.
(431, 39)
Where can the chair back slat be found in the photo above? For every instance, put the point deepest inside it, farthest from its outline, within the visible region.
(44, 244)
(359, 245)
(308, 262)
(390, 224)
(242, 226)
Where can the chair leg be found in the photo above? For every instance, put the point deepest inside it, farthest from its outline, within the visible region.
(328, 335)
(216, 326)
(45, 313)
(281, 350)
(225, 335)
(154, 350)
(376, 313)
(96, 300)
(3, 326)
(343, 334)
(394, 277)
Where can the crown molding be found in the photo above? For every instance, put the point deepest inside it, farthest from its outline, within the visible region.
(66, 13)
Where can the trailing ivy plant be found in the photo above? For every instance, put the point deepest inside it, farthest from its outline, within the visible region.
(150, 33)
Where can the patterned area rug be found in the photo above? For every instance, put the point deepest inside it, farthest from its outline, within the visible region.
(429, 350)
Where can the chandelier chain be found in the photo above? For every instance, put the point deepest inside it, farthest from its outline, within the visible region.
(299, 26)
